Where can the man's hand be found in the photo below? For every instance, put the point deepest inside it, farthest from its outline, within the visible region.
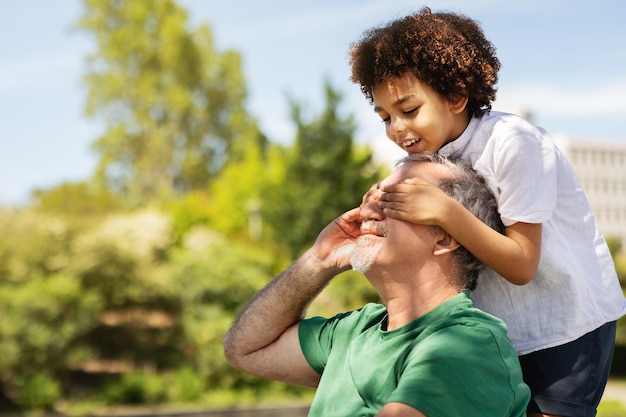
(264, 339)
(336, 241)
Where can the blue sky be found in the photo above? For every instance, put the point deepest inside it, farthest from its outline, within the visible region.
(563, 61)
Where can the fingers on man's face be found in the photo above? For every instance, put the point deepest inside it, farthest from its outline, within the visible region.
(372, 193)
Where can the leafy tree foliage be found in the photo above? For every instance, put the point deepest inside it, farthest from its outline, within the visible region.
(232, 203)
(43, 307)
(173, 105)
(84, 199)
(238, 195)
(144, 296)
(325, 175)
(213, 278)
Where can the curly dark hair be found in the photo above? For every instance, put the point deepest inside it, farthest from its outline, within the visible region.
(446, 51)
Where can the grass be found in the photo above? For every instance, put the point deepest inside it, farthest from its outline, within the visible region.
(611, 408)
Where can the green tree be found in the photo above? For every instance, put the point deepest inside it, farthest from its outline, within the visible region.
(173, 105)
(75, 200)
(232, 203)
(43, 307)
(325, 175)
(214, 276)
(238, 194)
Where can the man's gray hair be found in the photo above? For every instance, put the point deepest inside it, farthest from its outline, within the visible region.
(471, 190)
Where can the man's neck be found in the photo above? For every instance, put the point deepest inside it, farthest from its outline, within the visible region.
(406, 303)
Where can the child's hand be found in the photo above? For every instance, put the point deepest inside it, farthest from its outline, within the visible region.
(414, 200)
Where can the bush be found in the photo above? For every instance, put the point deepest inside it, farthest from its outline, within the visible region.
(135, 388)
(37, 392)
(185, 386)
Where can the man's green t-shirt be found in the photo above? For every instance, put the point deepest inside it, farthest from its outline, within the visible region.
(454, 361)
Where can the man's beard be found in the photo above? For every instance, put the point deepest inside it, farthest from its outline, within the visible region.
(365, 253)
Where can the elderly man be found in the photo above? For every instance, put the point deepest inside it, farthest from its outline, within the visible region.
(426, 352)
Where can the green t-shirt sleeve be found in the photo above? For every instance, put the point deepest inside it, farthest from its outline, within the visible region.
(315, 342)
(462, 370)
(318, 334)
(316, 339)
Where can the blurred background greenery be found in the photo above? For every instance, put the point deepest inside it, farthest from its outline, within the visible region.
(119, 289)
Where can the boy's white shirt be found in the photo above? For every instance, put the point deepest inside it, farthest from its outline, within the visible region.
(575, 289)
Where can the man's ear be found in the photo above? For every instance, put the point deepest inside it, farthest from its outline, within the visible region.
(445, 244)
(458, 104)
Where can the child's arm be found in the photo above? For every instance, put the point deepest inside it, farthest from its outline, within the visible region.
(515, 255)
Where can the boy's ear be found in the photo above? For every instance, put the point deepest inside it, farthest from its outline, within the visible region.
(458, 104)
(445, 244)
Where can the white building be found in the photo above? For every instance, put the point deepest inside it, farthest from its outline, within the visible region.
(601, 168)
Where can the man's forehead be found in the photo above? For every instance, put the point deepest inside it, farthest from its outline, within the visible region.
(429, 171)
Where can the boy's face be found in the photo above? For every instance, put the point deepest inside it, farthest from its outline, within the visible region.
(416, 117)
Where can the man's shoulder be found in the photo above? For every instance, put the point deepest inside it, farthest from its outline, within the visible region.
(366, 316)
(471, 319)
(462, 320)
(468, 330)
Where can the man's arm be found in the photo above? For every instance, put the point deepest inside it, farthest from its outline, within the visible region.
(264, 339)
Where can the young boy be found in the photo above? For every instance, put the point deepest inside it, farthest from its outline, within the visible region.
(431, 78)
